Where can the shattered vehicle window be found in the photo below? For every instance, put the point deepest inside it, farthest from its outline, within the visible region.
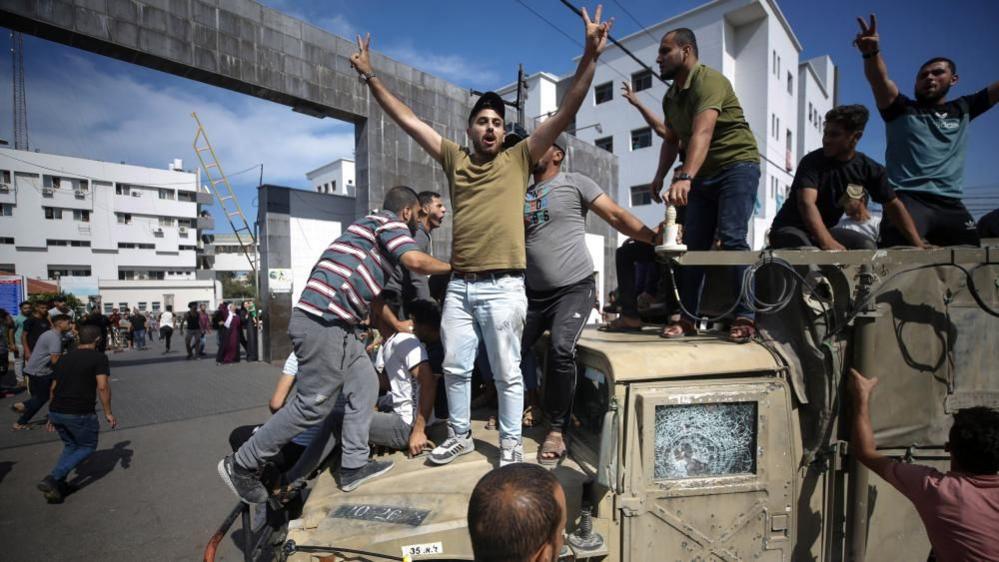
(700, 440)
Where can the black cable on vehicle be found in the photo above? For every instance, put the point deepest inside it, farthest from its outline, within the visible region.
(290, 548)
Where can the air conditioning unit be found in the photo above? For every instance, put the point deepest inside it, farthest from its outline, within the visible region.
(4, 188)
(183, 230)
(80, 194)
(47, 191)
(136, 194)
(158, 231)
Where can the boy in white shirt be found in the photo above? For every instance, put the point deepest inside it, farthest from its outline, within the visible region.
(407, 407)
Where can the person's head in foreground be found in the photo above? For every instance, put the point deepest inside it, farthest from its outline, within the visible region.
(517, 514)
(974, 441)
(403, 201)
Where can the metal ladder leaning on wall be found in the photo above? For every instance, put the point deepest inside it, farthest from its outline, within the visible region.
(225, 196)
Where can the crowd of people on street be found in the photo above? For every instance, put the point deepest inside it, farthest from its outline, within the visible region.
(519, 267)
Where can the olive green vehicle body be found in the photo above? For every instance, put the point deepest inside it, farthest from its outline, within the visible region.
(702, 449)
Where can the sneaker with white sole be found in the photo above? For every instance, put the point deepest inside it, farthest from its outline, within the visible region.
(244, 483)
(511, 451)
(453, 447)
(351, 478)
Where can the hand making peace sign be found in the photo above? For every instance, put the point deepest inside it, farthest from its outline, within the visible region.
(360, 60)
(596, 32)
(867, 40)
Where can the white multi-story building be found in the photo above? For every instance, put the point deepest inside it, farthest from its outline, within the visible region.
(229, 256)
(335, 178)
(91, 225)
(752, 44)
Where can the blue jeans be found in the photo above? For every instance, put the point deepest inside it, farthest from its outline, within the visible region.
(140, 338)
(79, 437)
(492, 310)
(719, 208)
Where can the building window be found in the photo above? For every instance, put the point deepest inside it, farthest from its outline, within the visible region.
(773, 63)
(778, 65)
(166, 221)
(777, 132)
(80, 272)
(6, 210)
(124, 218)
(333, 186)
(6, 241)
(51, 213)
(811, 115)
(641, 80)
(142, 307)
(108, 308)
(156, 306)
(123, 306)
(80, 243)
(790, 83)
(5, 176)
(640, 195)
(167, 194)
(81, 215)
(57, 242)
(603, 93)
(57, 273)
(186, 196)
(84, 185)
(606, 143)
(641, 138)
(122, 189)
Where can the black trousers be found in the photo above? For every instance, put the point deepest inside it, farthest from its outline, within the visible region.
(564, 312)
(166, 333)
(941, 221)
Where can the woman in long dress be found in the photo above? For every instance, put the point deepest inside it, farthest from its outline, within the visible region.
(230, 339)
(221, 315)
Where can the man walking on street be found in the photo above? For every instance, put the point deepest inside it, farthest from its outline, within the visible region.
(560, 284)
(166, 327)
(19, 359)
(719, 177)
(81, 376)
(927, 139)
(485, 298)
(205, 324)
(138, 321)
(45, 354)
(192, 329)
(324, 331)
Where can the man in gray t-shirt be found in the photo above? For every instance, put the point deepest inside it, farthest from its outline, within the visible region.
(44, 355)
(559, 278)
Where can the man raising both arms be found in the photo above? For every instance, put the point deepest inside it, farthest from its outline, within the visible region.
(926, 143)
(485, 298)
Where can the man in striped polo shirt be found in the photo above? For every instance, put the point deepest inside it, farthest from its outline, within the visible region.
(485, 298)
(349, 275)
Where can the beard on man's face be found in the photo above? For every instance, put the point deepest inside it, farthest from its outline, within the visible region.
(933, 97)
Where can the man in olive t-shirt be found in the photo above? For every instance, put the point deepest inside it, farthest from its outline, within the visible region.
(485, 298)
(719, 176)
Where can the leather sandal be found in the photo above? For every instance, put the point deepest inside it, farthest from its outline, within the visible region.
(742, 330)
(678, 329)
(550, 446)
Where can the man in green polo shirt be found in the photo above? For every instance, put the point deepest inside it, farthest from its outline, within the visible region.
(719, 177)
(485, 298)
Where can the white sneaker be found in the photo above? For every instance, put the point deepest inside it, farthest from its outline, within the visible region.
(511, 451)
(453, 447)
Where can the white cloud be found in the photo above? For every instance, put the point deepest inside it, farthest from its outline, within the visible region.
(89, 111)
(455, 68)
(338, 25)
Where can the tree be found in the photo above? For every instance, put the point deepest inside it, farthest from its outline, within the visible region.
(233, 288)
(71, 301)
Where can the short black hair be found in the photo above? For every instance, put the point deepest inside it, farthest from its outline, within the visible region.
(424, 312)
(24, 303)
(398, 198)
(685, 36)
(512, 513)
(169, 308)
(89, 334)
(974, 440)
(853, 118)
(427, 197)
(950, 63)
(61, 318)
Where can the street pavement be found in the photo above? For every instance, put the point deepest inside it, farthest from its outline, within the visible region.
(151, 490)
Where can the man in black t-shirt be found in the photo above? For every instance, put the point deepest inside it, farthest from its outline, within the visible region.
(34, 327)
(79, 378)
(825, 176)
(192, 329)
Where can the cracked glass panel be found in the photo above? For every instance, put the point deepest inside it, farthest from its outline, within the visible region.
(699, 440)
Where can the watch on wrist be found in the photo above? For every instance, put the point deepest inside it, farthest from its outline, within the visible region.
(367, 76)
(682, 176)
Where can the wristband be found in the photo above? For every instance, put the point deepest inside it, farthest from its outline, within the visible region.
(866, 56)
(367, 76)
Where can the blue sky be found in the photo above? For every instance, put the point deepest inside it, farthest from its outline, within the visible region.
(87, 105)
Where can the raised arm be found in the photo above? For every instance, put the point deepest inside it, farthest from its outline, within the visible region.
(622, 221)
(993, 93)
(809, 210)
(596, 41)
(423, 134)
(862, 442)
(658, 126)
(869, 44)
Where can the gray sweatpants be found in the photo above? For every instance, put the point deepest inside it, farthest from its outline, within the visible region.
(330, 359)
